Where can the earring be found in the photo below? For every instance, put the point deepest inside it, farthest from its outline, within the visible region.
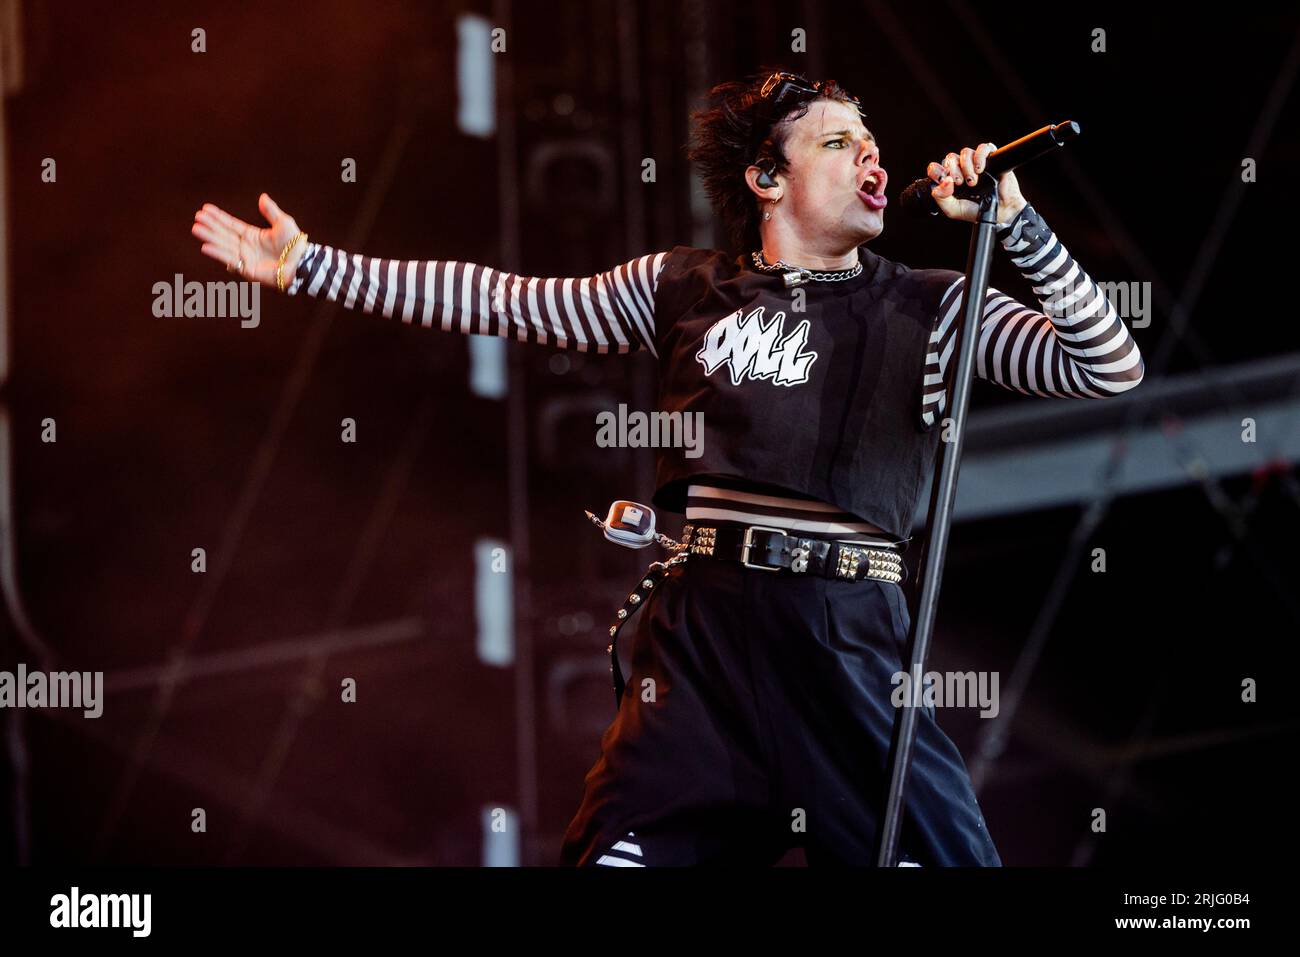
(768, 214)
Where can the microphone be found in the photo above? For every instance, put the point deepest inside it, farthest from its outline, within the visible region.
(916, 198)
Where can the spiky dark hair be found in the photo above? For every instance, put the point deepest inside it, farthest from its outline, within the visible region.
(734, 131)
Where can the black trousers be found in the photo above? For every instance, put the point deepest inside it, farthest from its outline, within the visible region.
(757, 718)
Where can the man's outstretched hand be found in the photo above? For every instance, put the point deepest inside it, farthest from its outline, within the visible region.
(229, 240)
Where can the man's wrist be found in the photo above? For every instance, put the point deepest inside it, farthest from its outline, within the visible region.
(291, 263)
(1015, 214)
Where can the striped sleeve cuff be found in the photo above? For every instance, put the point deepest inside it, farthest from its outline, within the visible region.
(302, 272)
(1026, 226)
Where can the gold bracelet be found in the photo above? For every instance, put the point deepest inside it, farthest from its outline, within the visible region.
(284, 254)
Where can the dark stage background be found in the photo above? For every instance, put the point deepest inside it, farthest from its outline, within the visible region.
(329, 561)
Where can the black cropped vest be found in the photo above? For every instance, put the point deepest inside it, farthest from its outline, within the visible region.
(816, 389)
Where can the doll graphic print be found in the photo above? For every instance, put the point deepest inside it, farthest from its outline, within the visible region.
(756, 349)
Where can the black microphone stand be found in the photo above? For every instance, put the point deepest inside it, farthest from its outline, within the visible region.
(942, 495)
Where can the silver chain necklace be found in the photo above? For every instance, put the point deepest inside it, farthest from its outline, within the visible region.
(794, 275)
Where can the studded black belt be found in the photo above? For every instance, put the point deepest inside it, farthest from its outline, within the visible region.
(759, 546)
(774, 549)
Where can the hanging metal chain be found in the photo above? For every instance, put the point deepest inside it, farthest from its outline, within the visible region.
(655, 574)
(661, 538)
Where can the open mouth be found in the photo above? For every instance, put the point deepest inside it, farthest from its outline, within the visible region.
(872, 189)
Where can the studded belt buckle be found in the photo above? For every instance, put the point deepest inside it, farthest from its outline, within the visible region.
(748, 542)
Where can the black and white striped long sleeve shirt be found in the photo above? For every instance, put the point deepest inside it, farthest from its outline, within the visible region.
(1078, 347)
(612, 311)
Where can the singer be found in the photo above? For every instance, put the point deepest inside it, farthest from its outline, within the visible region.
(758, 712)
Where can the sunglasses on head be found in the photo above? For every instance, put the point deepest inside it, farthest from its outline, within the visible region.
(791, 88)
